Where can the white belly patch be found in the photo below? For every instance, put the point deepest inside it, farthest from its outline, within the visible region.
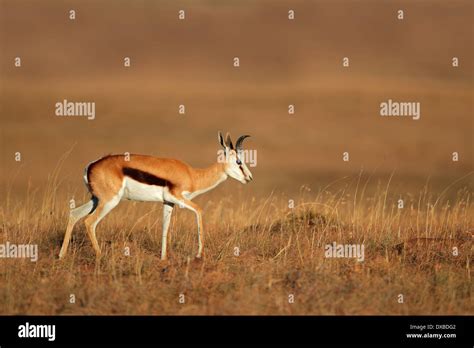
(137, 191)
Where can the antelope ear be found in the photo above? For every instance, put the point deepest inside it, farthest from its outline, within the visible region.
(221, 139)
(229, 141)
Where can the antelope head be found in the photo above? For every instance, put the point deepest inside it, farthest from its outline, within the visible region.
(234, 165)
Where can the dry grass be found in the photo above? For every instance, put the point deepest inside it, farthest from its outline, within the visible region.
(407, 251)
(281, 252)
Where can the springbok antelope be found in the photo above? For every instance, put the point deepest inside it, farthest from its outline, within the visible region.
(145, 178)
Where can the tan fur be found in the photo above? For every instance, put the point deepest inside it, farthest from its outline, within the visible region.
(106, 176)
(170, 181)
(105, 179)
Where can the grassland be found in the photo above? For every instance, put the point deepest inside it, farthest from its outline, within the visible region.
(408, 251)
(280, 252)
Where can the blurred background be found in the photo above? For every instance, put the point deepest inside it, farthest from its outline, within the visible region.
(282, 62)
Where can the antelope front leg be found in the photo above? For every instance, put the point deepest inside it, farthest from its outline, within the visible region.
(200, 232)
(178, 198)
(167, 210)
(197, 210)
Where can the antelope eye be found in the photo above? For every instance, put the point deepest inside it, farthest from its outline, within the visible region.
(239, 162)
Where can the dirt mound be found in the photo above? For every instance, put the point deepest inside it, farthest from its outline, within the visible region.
(302, 219)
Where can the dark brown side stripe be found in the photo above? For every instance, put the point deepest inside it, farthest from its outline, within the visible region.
(145, 178)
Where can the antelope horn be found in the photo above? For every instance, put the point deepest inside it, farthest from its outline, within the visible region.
(238, 144)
